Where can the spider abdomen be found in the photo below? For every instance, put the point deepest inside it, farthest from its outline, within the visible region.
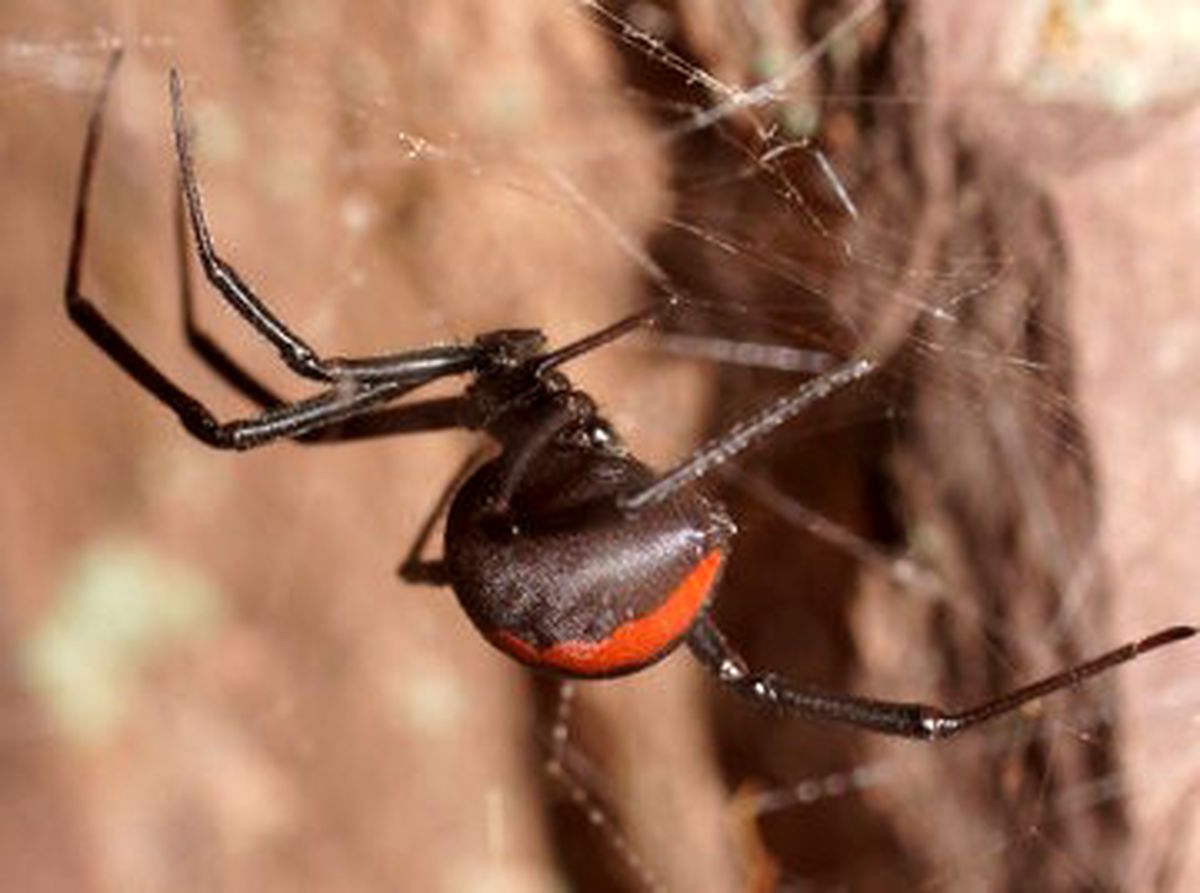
(564, 580)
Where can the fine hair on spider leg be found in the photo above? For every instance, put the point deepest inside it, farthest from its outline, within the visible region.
(567, 552)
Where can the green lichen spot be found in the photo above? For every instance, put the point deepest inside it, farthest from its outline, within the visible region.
(117, 608)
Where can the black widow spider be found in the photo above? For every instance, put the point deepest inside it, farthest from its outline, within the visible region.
(566, 552)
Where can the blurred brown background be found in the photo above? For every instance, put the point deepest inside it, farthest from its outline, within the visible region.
(214, 680)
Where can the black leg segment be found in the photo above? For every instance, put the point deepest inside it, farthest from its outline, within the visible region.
(212, 354)
(906, 720)
(748, 432)
(341, 401)
(357, 386)
(416, 365)
(415, 568)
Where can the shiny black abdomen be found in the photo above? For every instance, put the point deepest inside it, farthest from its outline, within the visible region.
(564, 564)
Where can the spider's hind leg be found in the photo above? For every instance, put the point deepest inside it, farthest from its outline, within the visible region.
(924, 722)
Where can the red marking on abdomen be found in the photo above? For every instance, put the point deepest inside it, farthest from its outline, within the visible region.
(631, 645)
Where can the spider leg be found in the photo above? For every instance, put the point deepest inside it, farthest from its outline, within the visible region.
(428, 415)
(332, 406)
(907, 720)
(748, 432)
(414, 365)
(83, 313)
(433, 572)
(347, 398)
(201, 343)
(609, 333)
(518, 458)
(420, 416)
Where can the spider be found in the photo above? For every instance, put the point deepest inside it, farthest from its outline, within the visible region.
(566, 552)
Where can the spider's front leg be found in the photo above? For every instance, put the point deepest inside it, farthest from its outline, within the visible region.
(907, 720)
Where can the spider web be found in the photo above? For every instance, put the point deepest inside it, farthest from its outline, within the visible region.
(217, 681)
